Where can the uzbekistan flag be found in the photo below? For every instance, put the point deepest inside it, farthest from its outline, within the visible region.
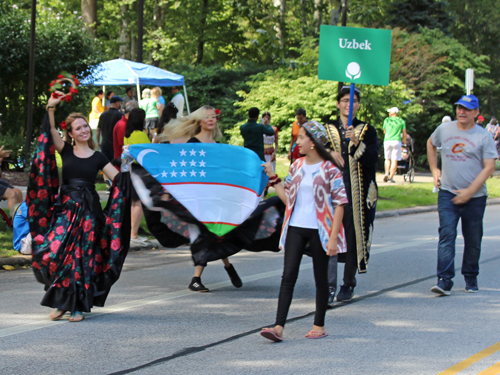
(221, 185)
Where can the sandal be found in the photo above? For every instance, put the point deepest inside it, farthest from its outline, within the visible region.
(271, 334)
(77, 316)
(316, 335)
(57, 314)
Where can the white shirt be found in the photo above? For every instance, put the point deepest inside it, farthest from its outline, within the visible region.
(304, 211)
(178, 101)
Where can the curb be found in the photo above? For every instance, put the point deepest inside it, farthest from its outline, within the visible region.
(420, 209)
(21, 260)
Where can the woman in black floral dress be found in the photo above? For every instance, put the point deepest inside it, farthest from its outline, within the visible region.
(78, 248)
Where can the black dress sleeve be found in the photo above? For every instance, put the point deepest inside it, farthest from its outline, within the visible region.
(102, 160)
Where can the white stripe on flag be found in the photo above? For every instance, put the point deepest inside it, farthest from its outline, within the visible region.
(215, 203)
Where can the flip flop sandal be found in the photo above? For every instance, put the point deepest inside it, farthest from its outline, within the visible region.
(56, 314)
(74, 316)
(271, 334)
(316, 335)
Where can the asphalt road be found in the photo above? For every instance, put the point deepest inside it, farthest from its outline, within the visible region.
(152, 324)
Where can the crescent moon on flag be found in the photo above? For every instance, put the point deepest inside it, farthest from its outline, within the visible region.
(144, 153)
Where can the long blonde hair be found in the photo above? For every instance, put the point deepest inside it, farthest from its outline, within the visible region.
(188, 126)
(72, 117)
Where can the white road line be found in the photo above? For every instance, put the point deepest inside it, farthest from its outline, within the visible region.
(183, 293)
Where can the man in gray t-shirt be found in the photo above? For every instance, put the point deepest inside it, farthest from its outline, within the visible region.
(468, 159)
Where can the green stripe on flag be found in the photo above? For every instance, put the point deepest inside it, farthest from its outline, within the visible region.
(219, 229)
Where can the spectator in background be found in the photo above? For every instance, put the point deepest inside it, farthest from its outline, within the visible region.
(169, 113)
(106, 125)
(7, 191)
(178, 100)
(160, 101)
(129, 97)
(480, 121)
(134, 134)
(119, 129)
(148, 104)
(109, 95)
(394, 127)
(97, 109)
(252, 133)
(493, 128)
(294, 153)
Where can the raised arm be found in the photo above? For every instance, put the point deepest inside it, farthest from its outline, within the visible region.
(51, 107)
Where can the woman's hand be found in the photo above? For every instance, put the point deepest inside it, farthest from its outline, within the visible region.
(55, 101)
(273, 157)
(268, 169)
(331, 247)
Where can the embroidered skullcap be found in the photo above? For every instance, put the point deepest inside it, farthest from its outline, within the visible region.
(317, 130)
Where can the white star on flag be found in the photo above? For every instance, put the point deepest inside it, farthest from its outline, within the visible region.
(193, 173)
(202, 163)
(183, 153)
(183, 174)
(164, 174)
(173, 163)
(202, 174)
(183, 163)
(202, 153)
(193, 163)
(192, 153)
(174, 174)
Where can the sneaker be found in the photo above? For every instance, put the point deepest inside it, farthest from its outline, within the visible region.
(138, 243)
(392, 181)
(197, 286)
(143, 239)
(345, 294)
(233, 275)
(443, 287)
(331, 297)
(471, 285)
(386, 178)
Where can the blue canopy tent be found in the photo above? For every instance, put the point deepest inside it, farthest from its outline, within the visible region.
(124, 72)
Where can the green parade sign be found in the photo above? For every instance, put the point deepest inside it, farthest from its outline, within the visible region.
(356, 55)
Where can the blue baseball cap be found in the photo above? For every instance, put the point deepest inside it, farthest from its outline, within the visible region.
(469, 102)
(115, 99)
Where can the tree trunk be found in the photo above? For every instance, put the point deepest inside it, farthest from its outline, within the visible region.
(335, 9)
(89, 15)
(318, 15)
(125, 33)
(281, 27)
(303, 17)
(201, 37)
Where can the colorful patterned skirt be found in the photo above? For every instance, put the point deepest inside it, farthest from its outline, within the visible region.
(78, 248)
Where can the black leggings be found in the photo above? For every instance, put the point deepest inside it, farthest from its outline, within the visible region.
(295, 244)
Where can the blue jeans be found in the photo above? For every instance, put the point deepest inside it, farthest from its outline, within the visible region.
(471, 214)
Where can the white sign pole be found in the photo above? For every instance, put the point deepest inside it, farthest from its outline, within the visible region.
(469, 80)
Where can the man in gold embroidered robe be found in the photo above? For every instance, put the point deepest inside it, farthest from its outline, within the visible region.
(356, 150)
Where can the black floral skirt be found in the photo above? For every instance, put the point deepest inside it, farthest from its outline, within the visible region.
(78, 251)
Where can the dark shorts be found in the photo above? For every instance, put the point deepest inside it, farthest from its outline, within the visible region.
(151, 122)
(4, 185)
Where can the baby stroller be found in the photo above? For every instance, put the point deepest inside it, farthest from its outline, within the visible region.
(406, 166)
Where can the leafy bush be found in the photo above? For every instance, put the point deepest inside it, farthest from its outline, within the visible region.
(62, 44)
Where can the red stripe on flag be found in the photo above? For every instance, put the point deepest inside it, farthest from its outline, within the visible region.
(219, 222)
(210, 183)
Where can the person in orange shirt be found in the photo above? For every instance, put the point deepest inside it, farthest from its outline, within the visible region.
(294, 153)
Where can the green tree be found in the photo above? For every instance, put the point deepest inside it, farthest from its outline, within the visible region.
(414, 14)
(62, 44)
